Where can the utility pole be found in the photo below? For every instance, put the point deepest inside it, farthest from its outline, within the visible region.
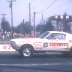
(23, 21)
(30, 13)
(42, 18)
(42, 22)
(3, 18)
(11, 6)
(34, 25)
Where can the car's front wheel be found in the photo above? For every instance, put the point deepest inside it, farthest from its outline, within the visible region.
(27, 52)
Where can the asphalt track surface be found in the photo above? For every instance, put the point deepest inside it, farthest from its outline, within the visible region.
(13, 62)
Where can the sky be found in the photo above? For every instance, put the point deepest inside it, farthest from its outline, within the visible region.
(46, 7)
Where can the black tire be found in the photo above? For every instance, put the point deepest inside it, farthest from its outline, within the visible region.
(71, 52)
(26, 51)
(66, 54)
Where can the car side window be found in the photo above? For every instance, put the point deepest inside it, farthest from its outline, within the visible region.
(56, 36)
(52, 36)
(61, 36)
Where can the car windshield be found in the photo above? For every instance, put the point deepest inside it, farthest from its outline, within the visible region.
(44, 35)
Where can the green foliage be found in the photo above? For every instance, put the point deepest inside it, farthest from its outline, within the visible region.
(45, 27)
(66, 27)
(5, 26)
(40, 28)
(66, 23)
(24, 28)
(49, 26)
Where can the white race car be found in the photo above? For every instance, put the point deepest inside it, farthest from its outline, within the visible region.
(50, 41)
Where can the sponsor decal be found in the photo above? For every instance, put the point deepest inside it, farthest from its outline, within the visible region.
(45, 44)
(58, 44)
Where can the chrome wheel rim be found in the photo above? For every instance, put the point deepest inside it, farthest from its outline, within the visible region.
(27, 52)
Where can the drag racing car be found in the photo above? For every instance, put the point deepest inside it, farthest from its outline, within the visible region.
(50, 41)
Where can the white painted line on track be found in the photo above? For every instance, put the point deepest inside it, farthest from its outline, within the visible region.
(32, 65)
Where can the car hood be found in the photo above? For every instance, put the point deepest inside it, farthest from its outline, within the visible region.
(28, 40)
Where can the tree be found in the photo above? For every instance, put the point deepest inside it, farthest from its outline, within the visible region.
(49, 26)
(66, 23)
(45, 27)
(27, 28)
(66, 27)
(40, 28)
(24, 28)
(18, 29)
(5, 26)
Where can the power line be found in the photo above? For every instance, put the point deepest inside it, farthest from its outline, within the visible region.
(31, 1)
(48, 7)
(68, 2)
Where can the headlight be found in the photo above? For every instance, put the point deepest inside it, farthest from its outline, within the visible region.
(13, 43)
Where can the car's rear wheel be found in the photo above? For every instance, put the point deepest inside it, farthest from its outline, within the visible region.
(66, 54)
(71, 52)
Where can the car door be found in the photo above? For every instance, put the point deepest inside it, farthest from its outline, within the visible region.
(57, 42)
